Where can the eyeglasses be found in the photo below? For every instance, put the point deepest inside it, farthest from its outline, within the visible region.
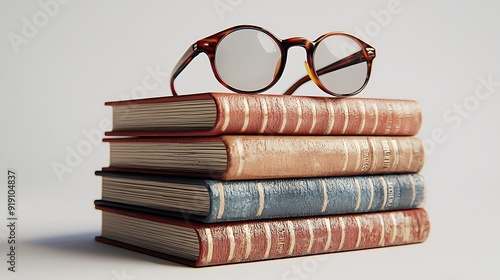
(249, 59)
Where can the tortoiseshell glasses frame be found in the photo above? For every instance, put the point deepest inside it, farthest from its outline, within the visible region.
(209, 45)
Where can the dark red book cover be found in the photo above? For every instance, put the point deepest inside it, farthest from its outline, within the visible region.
(233, 242)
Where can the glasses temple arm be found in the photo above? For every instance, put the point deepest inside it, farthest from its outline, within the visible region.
(352, 59)
(186, 58)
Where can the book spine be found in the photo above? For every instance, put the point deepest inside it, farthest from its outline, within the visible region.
(268, 199)
(230, 243)
(268, 114)
(262, 157)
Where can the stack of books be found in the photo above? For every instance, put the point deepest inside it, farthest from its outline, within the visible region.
(217, 178)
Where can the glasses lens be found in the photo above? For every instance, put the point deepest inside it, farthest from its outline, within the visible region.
(247, 59)
(340, 64)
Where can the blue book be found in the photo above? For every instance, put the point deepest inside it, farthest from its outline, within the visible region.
(213, 201)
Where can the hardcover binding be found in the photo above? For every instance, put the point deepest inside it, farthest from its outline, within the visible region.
(294, 115)
(224, 243)
(267, 199)
(267, 157)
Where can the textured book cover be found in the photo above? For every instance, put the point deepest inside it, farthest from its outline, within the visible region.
(223, 243)
(212, 114)
(241, 157)
(223, 201)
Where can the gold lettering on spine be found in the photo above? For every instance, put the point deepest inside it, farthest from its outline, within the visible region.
(292, 237)
(331, 118)
(366, 155)
(398, 117)
(384, 189)
(210, 244)
(390, 118)
(346, 149)
(359, 153)
(370, 183)
(261, 199)
(299, 116)
(265, 113)
(230, 235)
(268, 240)
(407, 118)
(325, 196)
(225, 105)
(220, 188)
(313, 108)
(381, 242)
(363, 116)
(394, 228)
(386, 154)
(358, 240)
(248, 239)
(239, 147)
(342, 236)
(374, 155)
(358, 188)
(413, 192)
(395, 146)
(390, 194)
(280, 244)
(375, 111)
(283, 112)
(329, 236)
(410, 156)
(311, 236)
(346, 115)
(246, 111)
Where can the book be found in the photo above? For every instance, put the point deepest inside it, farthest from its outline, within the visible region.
(199, 244)
(212, 201)
(241, 157)
(213, 114)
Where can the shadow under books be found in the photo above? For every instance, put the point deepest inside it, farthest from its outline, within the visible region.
(85, 244)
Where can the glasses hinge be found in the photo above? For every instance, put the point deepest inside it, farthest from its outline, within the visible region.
(370, 51)
(195, 47)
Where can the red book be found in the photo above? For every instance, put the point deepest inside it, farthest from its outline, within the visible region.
(199, 244)
(212, 114)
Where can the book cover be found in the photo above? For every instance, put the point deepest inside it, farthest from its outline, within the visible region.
(241, 157)
(199, 244)
(213, 114)
(212, 201)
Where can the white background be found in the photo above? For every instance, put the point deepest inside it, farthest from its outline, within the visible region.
(55, 77)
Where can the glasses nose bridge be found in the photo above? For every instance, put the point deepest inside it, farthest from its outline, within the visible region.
(298, 42)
